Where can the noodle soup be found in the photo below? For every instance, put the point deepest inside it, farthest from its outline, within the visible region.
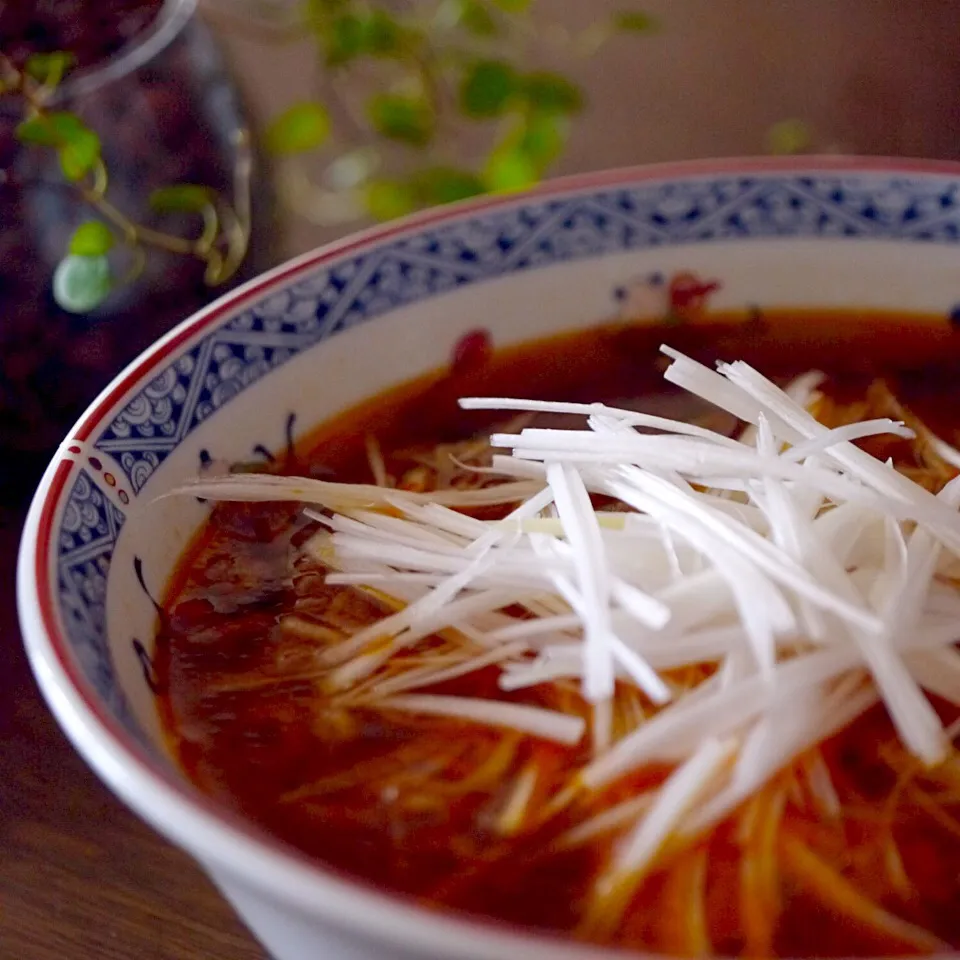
(652, 662)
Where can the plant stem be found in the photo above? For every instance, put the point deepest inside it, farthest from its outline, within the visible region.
(230, 225)
(136, 233)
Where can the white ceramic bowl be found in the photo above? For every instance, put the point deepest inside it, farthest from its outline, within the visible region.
(332, 328)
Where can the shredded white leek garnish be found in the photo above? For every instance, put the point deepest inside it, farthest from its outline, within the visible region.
(795, 571)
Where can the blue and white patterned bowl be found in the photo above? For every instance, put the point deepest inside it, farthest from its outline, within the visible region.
(336, 326)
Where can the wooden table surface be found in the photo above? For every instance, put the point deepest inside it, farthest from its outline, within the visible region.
(80, 876)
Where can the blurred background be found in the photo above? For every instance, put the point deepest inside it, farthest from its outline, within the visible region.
(154, 153)
(711, 78)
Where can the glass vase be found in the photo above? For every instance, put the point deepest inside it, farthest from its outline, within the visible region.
(166, 112)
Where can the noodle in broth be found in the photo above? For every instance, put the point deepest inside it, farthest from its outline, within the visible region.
(481, 712)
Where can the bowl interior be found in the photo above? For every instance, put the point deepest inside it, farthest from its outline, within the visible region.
(336, 327)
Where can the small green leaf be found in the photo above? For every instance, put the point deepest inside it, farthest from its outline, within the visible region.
(301, 127)
(37, 131)
(408, 119)
(182, 198)
(509, 170)
(49, 68)
(91, 239)
(487, 88)
(79, 154)
(388, 199)
(51, 129)
(439, 185)
(552, 92)
(543, 137)
(348, 35)
(382, 34)
(81, 283)
(343, 39)
(788, 137)
(533, 141)
(514, 6)
(78, 146)
(475, 18)
(630, 21)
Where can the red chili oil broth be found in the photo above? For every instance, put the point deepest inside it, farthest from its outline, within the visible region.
(249, 748)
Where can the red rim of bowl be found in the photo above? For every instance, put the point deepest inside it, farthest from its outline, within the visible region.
(156, 792)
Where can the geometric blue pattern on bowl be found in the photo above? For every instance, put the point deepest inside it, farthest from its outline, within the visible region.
(87, 534)
(489, 244)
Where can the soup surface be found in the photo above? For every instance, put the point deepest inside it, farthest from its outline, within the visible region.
(480, 819)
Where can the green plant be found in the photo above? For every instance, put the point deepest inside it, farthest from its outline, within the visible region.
(87, 274)
(789, 137)
(429, 102)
